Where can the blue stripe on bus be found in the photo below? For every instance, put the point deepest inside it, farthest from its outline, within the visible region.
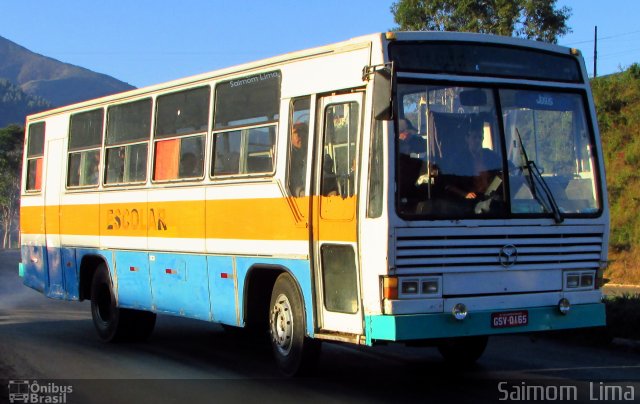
(203, 287)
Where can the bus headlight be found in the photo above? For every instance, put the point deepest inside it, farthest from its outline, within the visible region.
(586, 280)
(412, 287)
(573, 281)
(420, 287)
(409, 287)
(579, 280)
(430, 287)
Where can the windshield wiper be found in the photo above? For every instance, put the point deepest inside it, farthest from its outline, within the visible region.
(534, 175)
(557, 214)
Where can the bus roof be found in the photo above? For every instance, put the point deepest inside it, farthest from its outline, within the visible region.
(356, 42)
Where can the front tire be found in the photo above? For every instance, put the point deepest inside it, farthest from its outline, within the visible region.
(295, 354)
(112, 323)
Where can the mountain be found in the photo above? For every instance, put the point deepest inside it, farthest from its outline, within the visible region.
(15, 104)
(57, 82)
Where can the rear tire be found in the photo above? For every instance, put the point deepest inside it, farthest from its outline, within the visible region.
(294, 353)
(463, 351)
(112, 323)
(105, 313)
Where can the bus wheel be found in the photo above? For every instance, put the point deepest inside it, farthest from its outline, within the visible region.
(294, 353)
(463, 351)
(105, 313)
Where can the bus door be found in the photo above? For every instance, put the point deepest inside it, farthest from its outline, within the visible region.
(334, 214)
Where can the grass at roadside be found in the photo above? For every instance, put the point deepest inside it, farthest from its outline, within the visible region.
(623, 267)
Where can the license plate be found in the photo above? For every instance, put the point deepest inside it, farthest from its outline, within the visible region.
(510, 319)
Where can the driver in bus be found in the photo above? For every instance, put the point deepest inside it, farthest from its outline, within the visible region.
(475, 169)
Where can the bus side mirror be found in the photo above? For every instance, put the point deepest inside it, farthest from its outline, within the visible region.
(383, 94)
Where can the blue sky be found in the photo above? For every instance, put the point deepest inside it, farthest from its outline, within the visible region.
(145, 42)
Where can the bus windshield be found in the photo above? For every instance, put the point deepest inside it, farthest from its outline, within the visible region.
(457, 157)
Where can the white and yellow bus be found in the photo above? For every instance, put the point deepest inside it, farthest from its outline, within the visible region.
(431, 188)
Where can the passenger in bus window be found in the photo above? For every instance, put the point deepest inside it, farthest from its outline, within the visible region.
(298, 156)
(475, 168)
(189, 166)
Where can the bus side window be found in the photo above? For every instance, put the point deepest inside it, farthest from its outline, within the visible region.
(227, 153)
(260, 144)
(35, 153)
(245, 122)
(85, 141)
(127, 142)
(298, 146)
(181, 126)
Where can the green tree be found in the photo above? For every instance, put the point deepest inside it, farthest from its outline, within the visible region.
(532, 19)
(11, 143)
(15, 104)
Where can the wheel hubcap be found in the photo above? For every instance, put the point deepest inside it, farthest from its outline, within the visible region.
(281, 324)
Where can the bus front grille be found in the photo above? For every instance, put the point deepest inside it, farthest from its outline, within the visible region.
(454, 249)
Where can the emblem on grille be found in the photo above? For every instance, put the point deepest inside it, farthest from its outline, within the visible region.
(508, 255)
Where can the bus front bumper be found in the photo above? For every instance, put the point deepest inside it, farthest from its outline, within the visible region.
(411, 327)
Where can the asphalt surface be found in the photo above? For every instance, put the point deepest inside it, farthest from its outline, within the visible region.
(53, 345)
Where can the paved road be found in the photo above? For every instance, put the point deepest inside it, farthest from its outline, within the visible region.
(54, 344)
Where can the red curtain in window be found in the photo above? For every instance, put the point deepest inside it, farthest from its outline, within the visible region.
(167, 160)
(38, 184)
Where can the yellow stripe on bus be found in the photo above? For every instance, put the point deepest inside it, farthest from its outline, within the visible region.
(244, 219)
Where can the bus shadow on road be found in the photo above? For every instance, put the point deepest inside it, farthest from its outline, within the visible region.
(193, 359)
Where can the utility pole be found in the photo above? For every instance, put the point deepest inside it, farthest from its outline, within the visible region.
(595, 54)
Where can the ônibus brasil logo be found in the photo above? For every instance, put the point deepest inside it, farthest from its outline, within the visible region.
(26, 391)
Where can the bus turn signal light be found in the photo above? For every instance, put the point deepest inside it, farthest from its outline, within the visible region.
(390, 287)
